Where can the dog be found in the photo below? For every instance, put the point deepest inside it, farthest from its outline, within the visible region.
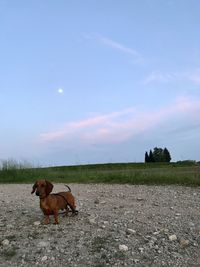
(50, 204)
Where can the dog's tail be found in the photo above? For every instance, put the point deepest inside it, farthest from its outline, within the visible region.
(68, 187)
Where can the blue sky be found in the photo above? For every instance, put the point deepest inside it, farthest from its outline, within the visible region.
(129, 74)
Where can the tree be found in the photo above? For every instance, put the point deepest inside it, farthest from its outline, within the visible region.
(167, 155)
(151, 157)
(146, 157)
(158, 155)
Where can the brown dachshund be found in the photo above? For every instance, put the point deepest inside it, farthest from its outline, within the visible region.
(52, 203)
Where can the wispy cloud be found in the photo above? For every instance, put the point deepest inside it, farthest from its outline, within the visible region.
(167, 77)
(120, 126)
(118, 46)
(157, 76)
(113, 44)
(194, 76)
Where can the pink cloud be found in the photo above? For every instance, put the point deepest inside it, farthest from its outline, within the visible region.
(88, 122)
(52, 136)
(117, 127)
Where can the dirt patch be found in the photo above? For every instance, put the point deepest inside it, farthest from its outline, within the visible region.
(117, 225)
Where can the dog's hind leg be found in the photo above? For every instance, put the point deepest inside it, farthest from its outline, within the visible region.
(74, 211)
(66, 210)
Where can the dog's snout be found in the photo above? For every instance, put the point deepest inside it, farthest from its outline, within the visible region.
(37, 193)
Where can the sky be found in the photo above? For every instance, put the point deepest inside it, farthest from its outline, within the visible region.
(85, 82)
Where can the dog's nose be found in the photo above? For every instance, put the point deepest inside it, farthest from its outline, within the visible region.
(37, 194)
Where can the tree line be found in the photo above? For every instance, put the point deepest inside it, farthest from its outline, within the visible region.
(158, 155)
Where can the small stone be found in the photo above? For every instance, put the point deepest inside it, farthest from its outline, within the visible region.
(156, 233)
(140, 199)
(123, 248)
(103, 202)
(130, 231)
(92, 220)
(128, 212)
(172, 237)
(96, 201)
(43, 244)
(44, 258)
(166, 230)
(24, 212)
(191, 224)
(5, 242)
(184, 243)
(153, 239)
(37, 223)
(10, 226)
(151, 244)
(141, 250)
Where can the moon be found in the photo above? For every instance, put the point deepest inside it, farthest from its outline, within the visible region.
(60, 91)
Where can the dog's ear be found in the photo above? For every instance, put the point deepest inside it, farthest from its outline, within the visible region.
(34, 187)
(48, 187)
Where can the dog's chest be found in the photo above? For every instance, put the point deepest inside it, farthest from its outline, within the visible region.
(45, 208)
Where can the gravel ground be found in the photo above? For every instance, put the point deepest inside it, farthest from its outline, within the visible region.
(117, 225)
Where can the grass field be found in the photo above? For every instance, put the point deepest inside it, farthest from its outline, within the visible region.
(181, 173)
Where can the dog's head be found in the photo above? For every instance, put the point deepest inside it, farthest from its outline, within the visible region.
(42, 187)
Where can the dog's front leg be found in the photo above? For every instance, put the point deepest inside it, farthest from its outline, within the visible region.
(46, 219)
(56, 217)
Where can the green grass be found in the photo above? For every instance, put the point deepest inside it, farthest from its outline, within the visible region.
(181, 173)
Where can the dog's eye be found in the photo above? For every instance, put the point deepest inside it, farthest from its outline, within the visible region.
(42, 185)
